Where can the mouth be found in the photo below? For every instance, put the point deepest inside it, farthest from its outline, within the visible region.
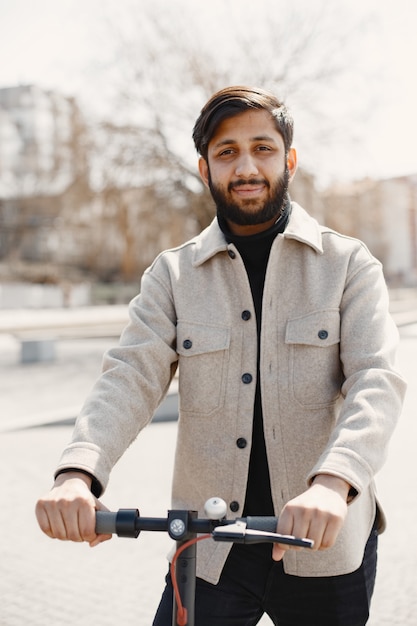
(248, 189)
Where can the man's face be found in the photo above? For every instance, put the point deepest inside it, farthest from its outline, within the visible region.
(247, 172)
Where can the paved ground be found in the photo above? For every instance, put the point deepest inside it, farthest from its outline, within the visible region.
(48, 583)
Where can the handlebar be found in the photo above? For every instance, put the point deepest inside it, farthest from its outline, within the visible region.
(179, 524)
(184, 527)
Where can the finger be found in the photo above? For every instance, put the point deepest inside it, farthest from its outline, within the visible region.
(52, 522)
(316, 529)
(278, 551)
(57, 526)
(66, 525)
(284, 527)
(87, 523)
(301, 520)
(99, 539)
(330, 533)
(90, 532)
(43, 520)
(324, 529)
(100, 506)
(302, 526)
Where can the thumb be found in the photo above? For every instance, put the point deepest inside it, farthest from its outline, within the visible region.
(278, 552)
(100, 506)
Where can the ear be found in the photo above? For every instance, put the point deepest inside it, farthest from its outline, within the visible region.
(203, 168)
(292, 162)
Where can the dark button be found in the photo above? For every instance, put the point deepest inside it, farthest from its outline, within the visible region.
(246, 315)
(232, 254)
(187, 344)
(234, 506)
(323, 334)
(247, 378)
(241, 443)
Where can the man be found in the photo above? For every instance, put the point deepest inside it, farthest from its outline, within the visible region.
(287, 386)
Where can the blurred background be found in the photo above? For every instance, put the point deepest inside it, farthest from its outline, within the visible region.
(98, 174)
(98, 99)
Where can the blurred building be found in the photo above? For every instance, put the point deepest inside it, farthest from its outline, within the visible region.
(303, 190)
(383, 213)
(103, 200)
(38, 129)
(42, 157)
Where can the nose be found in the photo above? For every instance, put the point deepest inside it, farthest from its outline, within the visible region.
(246, 166)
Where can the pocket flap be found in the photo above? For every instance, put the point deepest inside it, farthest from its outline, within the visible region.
(194, 339)
(320, 329)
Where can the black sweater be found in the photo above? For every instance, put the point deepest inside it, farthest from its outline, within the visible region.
(254, 250)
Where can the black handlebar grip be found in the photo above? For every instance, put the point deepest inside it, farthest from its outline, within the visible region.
(105, 522)
(267, 524)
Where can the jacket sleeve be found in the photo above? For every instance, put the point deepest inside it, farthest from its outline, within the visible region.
(135, 379)
(373, 390)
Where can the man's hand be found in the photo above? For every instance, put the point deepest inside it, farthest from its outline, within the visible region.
(318, 514)
(68, 511)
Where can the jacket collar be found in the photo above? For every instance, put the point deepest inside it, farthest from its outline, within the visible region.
(304, 228)
(301, 227)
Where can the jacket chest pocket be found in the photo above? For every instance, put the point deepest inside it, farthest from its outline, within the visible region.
(203, 351)
(315, 369)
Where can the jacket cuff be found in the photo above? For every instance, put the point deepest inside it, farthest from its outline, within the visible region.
(96, 487)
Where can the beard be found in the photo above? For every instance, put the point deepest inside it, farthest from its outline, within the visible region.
(237, 214)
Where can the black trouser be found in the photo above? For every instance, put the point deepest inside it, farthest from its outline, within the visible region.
(252, 584)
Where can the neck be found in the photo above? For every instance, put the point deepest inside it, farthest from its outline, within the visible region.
(250, 229)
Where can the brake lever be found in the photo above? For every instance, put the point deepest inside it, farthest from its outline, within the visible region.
(239, 533)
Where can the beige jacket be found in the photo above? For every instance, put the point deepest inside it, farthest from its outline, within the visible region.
(331, 395)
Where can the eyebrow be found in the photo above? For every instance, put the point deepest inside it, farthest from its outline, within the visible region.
(227, 142)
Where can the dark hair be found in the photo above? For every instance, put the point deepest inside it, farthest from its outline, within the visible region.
(234, 100)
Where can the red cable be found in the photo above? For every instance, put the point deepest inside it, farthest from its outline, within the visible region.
(182, 617)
